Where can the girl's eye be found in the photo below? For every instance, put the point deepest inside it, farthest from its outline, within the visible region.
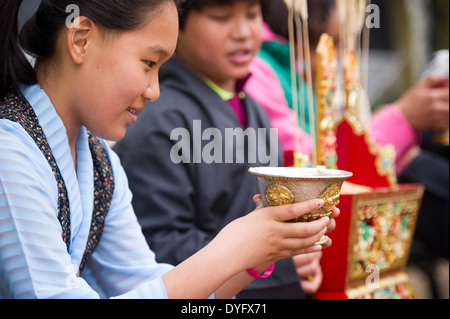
(150, 64)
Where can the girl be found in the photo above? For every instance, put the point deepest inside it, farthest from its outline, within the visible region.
(68, 233)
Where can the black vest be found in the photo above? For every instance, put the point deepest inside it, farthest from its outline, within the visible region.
(15, 107)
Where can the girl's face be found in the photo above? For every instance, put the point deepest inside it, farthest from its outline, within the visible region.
(119, 74)
(219, 42)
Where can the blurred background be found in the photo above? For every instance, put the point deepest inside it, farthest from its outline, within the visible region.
(410, 32)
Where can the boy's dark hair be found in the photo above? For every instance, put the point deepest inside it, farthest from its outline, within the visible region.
(187, 6)
(38, 36)
(275, 14)
(320, 12)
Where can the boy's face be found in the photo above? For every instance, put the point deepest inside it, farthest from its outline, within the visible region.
(219, 42)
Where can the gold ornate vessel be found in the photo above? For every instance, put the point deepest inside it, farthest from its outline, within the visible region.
(289, 185)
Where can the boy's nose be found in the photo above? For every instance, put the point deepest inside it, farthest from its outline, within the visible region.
(241, 29)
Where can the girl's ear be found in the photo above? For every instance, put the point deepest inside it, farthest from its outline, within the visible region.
(79, 37)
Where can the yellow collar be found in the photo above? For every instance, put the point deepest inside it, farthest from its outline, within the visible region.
(224, 94)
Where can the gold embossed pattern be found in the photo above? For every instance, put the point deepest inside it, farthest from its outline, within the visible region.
(278, 195)
(331, 196)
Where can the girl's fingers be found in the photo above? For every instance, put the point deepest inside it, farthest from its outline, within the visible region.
(304, 230)
(300, 243)
(335, 212)
(308, 250)
(284, 213)
(258, 202)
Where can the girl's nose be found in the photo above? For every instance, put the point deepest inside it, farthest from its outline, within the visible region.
(152, 93)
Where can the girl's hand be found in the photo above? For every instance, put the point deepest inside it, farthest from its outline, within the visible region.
(330, 226)
(263, 237)
(254, 241)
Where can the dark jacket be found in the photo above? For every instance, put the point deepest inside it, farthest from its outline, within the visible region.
(182, 206)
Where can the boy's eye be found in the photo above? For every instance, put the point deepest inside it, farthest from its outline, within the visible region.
(253, 15)
(219, 17)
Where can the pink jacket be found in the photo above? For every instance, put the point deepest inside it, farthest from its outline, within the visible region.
(389, 126)
(264, 87)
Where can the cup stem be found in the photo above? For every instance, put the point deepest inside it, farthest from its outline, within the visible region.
(323, 240)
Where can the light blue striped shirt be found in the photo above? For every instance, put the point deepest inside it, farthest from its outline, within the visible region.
(34, 261)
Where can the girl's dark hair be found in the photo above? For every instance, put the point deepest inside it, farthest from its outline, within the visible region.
(187, 6)
(275, 14)
(38, 36)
